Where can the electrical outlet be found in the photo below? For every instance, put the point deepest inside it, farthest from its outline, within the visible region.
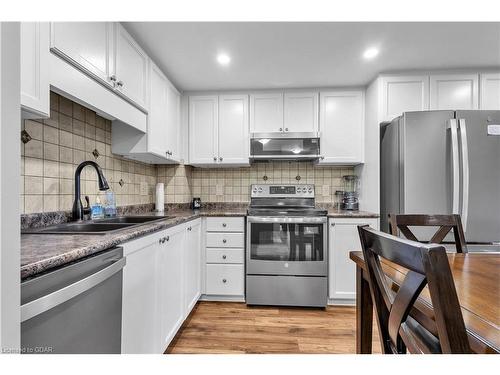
(144, 188)
(219, 190)
(326, 190)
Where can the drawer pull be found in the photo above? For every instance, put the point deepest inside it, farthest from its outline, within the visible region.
(224, 225)
(223, 257)
(224, 281)
(224, 240)
(167, 238)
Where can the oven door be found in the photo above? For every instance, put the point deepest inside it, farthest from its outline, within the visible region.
(287, 246)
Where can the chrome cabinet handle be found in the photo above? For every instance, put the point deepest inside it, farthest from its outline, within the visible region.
(167, 238)
(215, 158)
(189, 229)
(224, 225)
(224, 240)
(281, 129)
(119, 83)
(220, 158)
(286, 129)
(112, 78)
(224, 281)
(161, 240)
(223, 257)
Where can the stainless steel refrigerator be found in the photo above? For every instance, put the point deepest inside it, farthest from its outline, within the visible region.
(440, 162)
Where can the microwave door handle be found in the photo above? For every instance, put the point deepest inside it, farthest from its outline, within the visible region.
(465, 172)
(452, 126)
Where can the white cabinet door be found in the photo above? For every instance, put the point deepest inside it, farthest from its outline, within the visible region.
(404, 93)
(490, 91)
(266, 112)
(157, 114)
(171, 284)
(454, 91)
(140, 318)
(88, 45)
(233, 129)
(342, 127)
(343, 238)
(131, 67)
(192, 265)
(35, 89)
(203, 121)
(301, 112)
(173, 122)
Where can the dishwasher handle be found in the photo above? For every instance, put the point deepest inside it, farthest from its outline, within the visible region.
(47, 302)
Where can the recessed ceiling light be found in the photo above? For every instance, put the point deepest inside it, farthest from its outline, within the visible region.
(223, 59)
(370, 53)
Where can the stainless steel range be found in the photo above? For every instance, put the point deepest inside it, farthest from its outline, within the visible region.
(286, 260)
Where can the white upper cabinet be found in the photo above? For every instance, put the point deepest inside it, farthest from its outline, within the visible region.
(203, 122)
(301, 112)
(490, 91)
(173, 123)
(342, 127)
(454, 91)
(35, 101)
(266, 112)
(88, 45)
(131, 67)
(233, 129)
(404, 93)
(158, 112)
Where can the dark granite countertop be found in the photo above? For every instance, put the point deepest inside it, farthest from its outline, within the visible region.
(42, 252)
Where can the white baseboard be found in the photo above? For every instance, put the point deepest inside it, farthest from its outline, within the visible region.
(221, 298)
(341, 302)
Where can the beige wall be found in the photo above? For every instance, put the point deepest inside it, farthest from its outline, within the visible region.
(59, 144)
(73, 132)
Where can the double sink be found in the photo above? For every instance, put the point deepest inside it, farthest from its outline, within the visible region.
(100, 226)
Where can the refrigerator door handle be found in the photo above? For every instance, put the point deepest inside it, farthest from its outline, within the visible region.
(453, 127)
(465, 172)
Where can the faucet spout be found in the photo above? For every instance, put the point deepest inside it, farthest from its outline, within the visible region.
(78, 210)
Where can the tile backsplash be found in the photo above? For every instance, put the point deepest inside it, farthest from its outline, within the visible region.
(73, 133)
(233, 184)
(59, 144)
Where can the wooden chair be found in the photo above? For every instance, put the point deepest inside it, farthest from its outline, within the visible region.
(446, 223)
(426, 265)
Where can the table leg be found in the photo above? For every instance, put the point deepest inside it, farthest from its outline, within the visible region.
(364, 314)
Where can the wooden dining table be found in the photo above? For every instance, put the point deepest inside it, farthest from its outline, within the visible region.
(477, 281)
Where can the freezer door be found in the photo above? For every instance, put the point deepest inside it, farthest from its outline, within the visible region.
(389, 172)
(427, 165)
(480, 171)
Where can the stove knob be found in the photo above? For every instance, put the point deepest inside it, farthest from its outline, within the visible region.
(310, 189)
(260, 190)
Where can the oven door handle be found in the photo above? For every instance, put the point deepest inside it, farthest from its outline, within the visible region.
(286, 220)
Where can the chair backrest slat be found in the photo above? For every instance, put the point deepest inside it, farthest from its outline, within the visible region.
(446, 223)
(426, 265)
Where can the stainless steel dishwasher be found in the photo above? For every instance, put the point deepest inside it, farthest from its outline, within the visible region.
(75, 309)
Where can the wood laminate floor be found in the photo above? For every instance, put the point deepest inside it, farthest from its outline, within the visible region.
(226, 327)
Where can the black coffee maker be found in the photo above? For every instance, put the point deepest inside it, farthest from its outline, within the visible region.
(196, 204)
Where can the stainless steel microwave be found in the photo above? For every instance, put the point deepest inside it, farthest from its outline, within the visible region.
(284, 146)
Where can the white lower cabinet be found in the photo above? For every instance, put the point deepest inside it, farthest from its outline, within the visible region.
(140, 318)
(161, 285)
(192, 265)
(171, 284)
(344, 238)
(225, 279)
(225, 258)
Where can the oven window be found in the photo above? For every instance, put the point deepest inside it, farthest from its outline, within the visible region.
(287, 242)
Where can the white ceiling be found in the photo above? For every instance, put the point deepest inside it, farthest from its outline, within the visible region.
(285, 55)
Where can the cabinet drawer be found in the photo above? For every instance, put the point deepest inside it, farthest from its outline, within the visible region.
(225, 240)
(225, 224)
(225, 279)
(225, 256)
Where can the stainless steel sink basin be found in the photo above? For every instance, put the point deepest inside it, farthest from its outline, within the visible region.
(134, 219)
(102, 226)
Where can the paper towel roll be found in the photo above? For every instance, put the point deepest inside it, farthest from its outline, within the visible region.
(160, 197)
